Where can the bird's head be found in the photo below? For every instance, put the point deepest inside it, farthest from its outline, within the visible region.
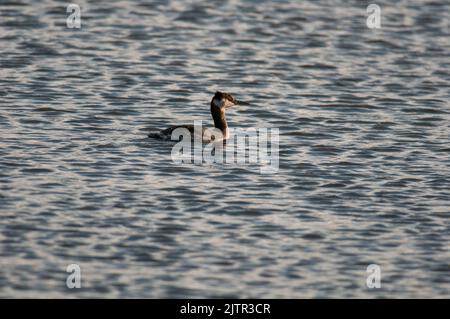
(224, 100)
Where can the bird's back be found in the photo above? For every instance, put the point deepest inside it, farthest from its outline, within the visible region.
(167, 133)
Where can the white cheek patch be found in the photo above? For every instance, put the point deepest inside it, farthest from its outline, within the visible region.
(228, 103)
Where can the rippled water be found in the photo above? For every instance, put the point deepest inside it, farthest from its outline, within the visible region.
(364, 174)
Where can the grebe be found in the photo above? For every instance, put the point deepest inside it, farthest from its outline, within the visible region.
(219, 103)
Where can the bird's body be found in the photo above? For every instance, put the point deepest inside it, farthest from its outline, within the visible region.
(167, 133)
(219, 103)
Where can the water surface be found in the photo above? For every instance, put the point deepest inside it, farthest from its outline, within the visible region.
(364, 174)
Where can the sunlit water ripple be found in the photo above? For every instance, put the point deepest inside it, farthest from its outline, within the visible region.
(364, 174)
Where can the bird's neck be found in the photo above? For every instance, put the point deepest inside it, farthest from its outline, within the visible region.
(220, 122)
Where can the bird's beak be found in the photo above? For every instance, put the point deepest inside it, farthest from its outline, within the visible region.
(241, 103)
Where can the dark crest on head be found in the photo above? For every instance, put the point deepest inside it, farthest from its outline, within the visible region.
(222, 95)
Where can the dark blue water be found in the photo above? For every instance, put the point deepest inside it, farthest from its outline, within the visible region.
(364, 168)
